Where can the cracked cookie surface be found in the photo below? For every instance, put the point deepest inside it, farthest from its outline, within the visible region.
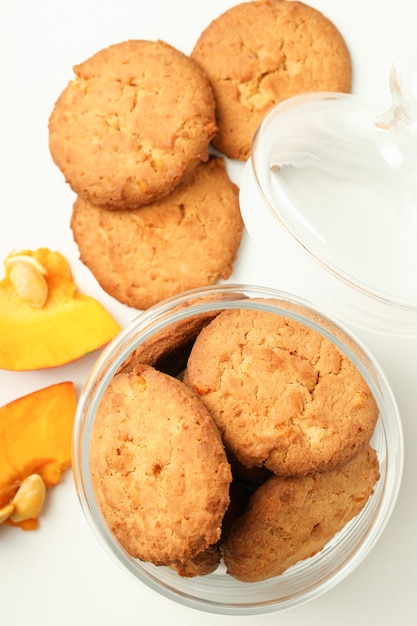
(283, 396)
(188, 239)
(160, 508)
(137, 117)
(259, 53)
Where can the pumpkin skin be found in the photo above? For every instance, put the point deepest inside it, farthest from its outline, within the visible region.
(35, 438)
(68, 326)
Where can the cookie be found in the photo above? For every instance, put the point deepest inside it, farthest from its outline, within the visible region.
(135, 120)
(291, 519)
(188, 239)
(283, 396)
(259, 53)
(160, 509)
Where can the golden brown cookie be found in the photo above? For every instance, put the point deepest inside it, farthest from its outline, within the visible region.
(283, 396)
(158, 467)
(291, 519)
(188, 239)
(259, 53)
(136, 119)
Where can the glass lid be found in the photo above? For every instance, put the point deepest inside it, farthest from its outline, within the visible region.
(342, 179)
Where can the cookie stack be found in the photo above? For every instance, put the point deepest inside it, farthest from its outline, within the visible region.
(154, 214)
(296, 418)
(132, 130)
(239, 435)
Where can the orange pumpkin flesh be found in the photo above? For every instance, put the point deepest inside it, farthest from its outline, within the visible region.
(35, 438)
(67, 327)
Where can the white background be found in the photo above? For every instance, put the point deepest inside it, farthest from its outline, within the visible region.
(60, 575)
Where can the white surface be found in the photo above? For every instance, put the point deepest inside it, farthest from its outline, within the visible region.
(60, 575)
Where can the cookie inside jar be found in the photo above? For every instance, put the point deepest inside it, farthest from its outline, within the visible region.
(294, 418)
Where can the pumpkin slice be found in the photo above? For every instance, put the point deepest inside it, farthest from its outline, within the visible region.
(67, 326)
(35, 438)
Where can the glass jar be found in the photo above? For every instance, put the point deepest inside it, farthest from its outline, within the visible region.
(218, 592)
